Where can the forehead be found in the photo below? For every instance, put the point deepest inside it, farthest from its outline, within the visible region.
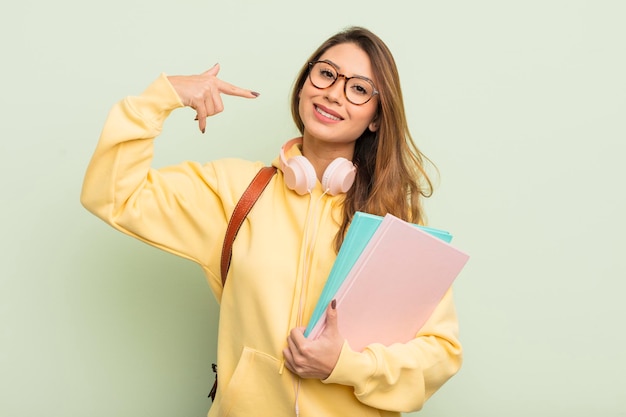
(351, 59)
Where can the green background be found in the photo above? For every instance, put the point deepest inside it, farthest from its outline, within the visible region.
(521, 104)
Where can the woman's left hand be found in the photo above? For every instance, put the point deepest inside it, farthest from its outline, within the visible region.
(314, 358)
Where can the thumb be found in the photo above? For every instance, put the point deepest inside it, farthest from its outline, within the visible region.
(331, 317)
(213, 70)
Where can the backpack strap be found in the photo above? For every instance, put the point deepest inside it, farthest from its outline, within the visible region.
(243, 207)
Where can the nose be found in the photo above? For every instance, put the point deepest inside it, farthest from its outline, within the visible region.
(336, 91)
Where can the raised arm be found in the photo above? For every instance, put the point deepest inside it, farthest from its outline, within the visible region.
(161, 207)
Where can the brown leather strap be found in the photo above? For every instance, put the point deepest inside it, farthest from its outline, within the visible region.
(243, 207)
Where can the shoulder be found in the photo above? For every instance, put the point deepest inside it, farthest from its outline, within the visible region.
(236, 172)
(233, 175)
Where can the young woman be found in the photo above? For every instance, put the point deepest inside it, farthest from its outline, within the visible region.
(355, 153)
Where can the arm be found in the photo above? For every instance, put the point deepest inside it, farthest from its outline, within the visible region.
(400, 377)
(403, 376)
(156, 206)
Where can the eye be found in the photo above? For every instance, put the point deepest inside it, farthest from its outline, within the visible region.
(360, 87)
(327, 72)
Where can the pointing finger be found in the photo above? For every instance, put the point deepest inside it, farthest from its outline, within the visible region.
(233, 90)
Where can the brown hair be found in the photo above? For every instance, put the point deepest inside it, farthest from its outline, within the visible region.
(390, 168)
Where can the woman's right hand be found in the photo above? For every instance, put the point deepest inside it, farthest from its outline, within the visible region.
(203, 93)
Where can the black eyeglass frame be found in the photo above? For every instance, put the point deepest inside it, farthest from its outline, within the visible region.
(345, 83)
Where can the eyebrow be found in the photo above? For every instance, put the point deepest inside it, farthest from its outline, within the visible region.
(337, 67)
(331, 63)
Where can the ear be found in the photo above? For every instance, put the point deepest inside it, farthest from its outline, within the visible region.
(373, 126)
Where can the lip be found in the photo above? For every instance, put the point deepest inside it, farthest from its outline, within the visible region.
(326, 110)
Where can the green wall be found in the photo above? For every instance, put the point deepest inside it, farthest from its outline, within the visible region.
(521, 104)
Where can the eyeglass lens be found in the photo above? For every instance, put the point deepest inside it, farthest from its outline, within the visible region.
(358, 90)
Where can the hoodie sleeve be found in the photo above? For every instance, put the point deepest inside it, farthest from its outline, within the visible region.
(179, 208)
(401, 377)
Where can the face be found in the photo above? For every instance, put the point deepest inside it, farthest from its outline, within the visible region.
(329, 118)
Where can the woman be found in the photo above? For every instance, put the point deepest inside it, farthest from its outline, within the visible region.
(348, 105)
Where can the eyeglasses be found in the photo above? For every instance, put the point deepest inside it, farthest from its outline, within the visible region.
(358, 90)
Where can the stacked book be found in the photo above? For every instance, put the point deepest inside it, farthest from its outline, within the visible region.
(388, 278)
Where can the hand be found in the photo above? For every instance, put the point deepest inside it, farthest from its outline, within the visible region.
(203, 93)
(314, 358)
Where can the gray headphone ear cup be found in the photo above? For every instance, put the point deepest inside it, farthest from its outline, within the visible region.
(300, 175)
(338, 176)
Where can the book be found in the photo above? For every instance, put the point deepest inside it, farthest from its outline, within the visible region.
(387, 286)
(359, 233)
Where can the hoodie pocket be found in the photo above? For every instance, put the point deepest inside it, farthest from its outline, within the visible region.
(257, 388)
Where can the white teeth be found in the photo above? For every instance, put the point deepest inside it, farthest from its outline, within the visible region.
(323, 113)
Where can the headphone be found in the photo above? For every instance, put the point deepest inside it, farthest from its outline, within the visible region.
(300, 175)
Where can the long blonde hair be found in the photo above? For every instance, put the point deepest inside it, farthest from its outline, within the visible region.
(391, 177)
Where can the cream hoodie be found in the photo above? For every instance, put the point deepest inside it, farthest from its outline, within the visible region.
(184, 210)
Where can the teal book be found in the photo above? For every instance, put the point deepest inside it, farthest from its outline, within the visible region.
(359, 233)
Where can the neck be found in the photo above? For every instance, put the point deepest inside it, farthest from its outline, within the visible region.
(321, 154)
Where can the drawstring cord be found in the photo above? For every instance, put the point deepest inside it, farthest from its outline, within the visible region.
(308, 247)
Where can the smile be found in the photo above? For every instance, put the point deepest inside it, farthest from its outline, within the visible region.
(326, 114)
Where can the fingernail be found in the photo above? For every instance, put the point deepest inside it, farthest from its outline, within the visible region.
(333, 304)
(254, 93)
(196, 119)
(203, 131)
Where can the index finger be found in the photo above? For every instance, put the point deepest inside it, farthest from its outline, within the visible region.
(296, 335)
(233, 90)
